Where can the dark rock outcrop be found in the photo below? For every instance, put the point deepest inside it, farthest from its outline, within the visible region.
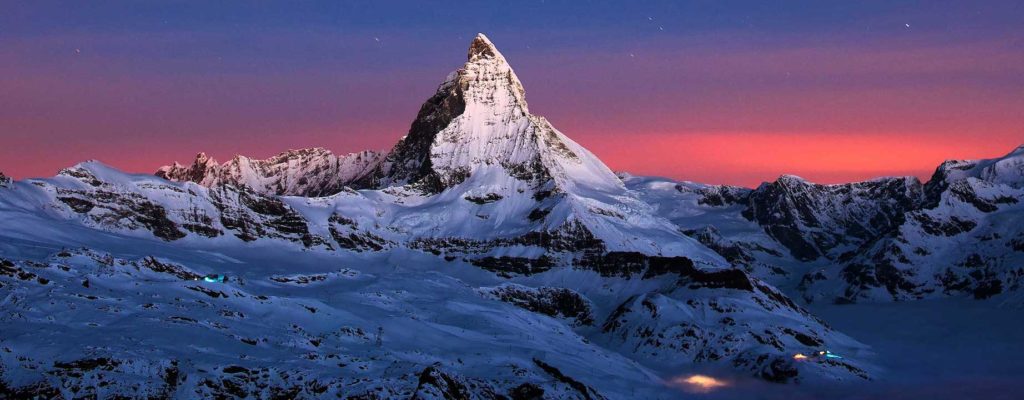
(551, 301)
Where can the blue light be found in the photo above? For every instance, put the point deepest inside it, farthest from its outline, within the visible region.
(214, 278)
(829, 354)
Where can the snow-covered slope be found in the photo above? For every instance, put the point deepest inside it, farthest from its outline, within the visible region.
(84, 323)
(98, 196)
(306, 172)
(714, 215)
(80, 321)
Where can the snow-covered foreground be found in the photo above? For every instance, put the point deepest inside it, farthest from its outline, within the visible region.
(320, 314)
(347, 325)
(132, 319)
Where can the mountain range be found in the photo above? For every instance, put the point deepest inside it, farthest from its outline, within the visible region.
(485, 256)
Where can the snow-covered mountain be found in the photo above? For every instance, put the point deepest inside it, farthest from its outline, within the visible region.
(500, 182)
(485, 256)
(966, 238)
(306, 172)
(477, 174)
(880, 240)
(829, 220)
(477, 127)
(480, 178)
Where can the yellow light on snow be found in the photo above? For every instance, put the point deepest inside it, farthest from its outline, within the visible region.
(699, 383)
(799, 356)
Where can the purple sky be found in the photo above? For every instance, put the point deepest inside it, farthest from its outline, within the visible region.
(722, 92)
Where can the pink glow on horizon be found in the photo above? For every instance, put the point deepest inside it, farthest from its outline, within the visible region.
(747, 159)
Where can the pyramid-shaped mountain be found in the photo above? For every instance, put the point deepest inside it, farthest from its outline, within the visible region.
(477, 173)
(478, 127)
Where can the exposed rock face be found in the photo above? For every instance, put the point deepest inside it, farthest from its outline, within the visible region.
(880, 240)
(104, 198)
(347, 234)
(104, 204)
(719, 195)
(555, 302)
(306, 172)
(4, 180)
(827, 220)
(963, 240)
(738, 253)
(409, 161)
(252, 216)
(477, 117)
(437, 384)
(581, 390)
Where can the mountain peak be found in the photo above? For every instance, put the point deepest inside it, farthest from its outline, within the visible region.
(478, 125)
(202, 160)
(482, 47)
(791, 180)
(488, 79)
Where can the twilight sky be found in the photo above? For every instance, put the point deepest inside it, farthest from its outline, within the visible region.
(733, 92)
